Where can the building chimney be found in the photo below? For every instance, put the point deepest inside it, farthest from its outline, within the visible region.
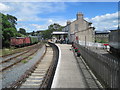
(79, 15)
(68, 22)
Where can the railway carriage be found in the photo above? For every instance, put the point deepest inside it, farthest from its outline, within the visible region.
(34, 39)
(23, 41)
(18, 41)
(114, 41)
(27, 41)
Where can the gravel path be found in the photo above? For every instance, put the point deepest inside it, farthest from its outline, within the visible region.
(9, 77)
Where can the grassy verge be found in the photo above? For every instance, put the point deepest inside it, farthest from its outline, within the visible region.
(6, 51)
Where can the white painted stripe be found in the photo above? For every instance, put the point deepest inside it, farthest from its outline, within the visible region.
(55, 79)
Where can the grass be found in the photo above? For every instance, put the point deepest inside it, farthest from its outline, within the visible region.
(30, 58)
(101, 41)
(6, 51)
(24, 61)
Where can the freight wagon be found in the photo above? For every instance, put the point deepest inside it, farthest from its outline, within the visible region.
(114, 41)
(23, 41)
(27, 41)
(33, 39)
(18, 41)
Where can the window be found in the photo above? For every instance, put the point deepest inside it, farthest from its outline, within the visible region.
(76, 27)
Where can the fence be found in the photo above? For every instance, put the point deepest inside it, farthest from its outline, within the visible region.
(105, 69)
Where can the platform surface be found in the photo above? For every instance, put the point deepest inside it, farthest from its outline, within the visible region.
(68, 74)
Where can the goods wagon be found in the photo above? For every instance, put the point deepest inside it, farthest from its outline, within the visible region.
(33, 39)
(27, 41)
(19, 41)
(114, 41)
(22, 41)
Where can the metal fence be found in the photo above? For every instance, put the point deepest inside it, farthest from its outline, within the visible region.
(105, 69)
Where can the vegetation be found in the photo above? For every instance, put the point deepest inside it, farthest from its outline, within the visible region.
(102, 41)
(30, 58)
(27, 60)
(22, 31)
(53, 27)
(6, 51)
(8, 26)
(46, 34)
(24, 61)
(8, 23)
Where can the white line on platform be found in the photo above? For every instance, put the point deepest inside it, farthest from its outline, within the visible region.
(54, 83)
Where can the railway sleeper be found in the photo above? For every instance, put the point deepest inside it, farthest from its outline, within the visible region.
(41, 74)
(36, 79)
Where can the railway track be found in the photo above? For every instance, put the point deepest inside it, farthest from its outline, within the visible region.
(12, 61)
(7, 58)
(18, 52)
(40, 75)
(36, 78)
(13, 56)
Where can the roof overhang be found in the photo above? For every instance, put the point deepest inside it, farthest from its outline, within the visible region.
(59, 33)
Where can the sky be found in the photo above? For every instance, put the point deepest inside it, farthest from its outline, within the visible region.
(35, 16)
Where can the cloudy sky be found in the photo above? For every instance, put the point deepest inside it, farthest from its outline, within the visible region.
(39, 15)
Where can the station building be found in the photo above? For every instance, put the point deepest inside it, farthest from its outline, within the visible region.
(80, 30)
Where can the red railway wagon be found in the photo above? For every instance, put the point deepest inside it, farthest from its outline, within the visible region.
(26, 40)
(17, 41)
(12, 41)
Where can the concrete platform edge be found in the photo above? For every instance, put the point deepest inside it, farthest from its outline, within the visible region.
(54, 83)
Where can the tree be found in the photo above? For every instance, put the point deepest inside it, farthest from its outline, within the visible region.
(7, 34)
(22, 31)
(12, 20)
(51, 28)
(9, 30)
(55, 27)
(46, 34)
(33, 33)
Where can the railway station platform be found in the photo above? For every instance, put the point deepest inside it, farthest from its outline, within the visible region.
(68, 74)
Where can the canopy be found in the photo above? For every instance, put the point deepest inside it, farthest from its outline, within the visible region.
(59, 33)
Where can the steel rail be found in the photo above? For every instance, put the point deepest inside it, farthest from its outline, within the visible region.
(23, 49)
(49, 74)
(22, 79)
(9, 66)
(28, 50)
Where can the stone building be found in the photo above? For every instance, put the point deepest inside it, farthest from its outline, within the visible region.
(102, 36)
(79, 30)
